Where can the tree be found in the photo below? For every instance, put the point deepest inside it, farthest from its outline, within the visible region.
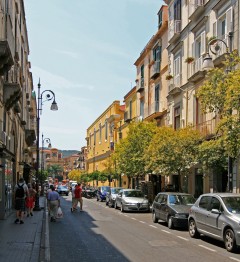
(129, 153)
(220, 93)
(173, 152)
(55, 170)
(75, 175)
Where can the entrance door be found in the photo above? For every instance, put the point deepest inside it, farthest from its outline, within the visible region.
(198, 185)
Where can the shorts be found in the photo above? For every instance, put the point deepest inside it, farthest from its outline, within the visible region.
(20, 204)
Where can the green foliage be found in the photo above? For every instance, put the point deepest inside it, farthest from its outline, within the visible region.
(129, 153)
(221, 94)
(54, 170)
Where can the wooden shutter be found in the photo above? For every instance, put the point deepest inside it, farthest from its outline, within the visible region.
(229, 21)
(203, 43)
(215, 29)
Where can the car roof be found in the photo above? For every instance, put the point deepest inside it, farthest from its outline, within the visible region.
(125, 189)
(173, 193)
(227, 194)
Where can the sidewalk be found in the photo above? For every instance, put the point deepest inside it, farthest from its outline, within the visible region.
(26, 242)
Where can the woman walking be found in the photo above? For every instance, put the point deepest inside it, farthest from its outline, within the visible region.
(54, 203)
(30, 200)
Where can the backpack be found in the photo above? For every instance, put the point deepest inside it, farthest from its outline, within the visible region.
(20, 193)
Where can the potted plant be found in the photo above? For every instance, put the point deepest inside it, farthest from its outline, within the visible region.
(211, 40)
(189, 59)
(169, 77)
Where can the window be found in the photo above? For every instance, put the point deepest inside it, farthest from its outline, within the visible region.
(199, 46)
(159, 18)
(177, 71)
(54, 154)
(106, 130)
(142, 71)
(177, 10)
(177, 118)
(204, 202)
(157, 94)
(100, 132)
(223, 25)
(130, 109)
(142, 108)
(215, 204)
(94, 137)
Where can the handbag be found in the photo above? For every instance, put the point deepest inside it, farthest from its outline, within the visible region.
(59, 213)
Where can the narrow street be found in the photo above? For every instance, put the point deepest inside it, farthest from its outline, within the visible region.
(101, 233)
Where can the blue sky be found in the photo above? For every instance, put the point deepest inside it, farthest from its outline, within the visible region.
(84, 51)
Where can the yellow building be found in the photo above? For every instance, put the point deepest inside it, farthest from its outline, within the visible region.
(101, 138)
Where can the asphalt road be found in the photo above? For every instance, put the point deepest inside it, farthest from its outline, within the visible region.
(101, 233)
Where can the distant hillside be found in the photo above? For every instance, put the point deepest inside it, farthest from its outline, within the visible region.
(67, 153)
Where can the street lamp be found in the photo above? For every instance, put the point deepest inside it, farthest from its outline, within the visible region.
(50, 95)
(207, 65)
(48, 140)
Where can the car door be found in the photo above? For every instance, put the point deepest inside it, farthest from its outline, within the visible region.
(157, 204)
(201, 212)
(163, 206)
(119, 199)
(213, 221)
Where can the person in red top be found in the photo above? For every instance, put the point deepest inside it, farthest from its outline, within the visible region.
(78, 196)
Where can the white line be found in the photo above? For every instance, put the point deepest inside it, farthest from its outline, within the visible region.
(183, 238)
(233, 258)
(126, 215)
(152, 226)
(210, 249)
(142, 222)
(166, 231)
(133, 218)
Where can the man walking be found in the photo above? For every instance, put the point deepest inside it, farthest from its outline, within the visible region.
(20, 193)
(54, 203)
(78, 196)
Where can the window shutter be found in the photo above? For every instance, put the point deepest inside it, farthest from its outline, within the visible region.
(214, 29)
(203, 43)
(229, 21)
(193, 49)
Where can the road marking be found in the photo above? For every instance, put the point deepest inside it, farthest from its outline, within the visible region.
(152, 226)
(142, 222)
(210, 249)
(233, 258)
(166, 231)
(133, 218)
(183, 238)
(126, 215)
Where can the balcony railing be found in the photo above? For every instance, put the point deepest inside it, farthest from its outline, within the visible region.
(155, 69)
(207, 128)
(174, 29)
(196, 66)
(140, 85)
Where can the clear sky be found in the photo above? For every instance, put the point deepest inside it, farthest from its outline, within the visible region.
(84, 51)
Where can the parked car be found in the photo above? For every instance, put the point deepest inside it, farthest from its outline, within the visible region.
(217, 215)
(63, 190)
(131, 200)
(102, 192)
(89, 193)
(111, 196)
(173, 208)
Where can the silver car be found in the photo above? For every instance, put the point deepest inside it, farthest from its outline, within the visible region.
(217, 215)
(111, 196)
(132, 200)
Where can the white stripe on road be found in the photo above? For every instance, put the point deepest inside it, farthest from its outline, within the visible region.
(233, 258)
(152, 226)
(166, 231)
(210, 249)
(133, 218)
(142, 222)
(183, 238)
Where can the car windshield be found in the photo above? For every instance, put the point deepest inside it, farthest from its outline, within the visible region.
(105, 189)
(115, 190)
(133, 194)
(232, 204)
(181, 200)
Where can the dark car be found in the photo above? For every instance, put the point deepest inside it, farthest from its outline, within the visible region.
(63, 190)
(173, 208)
(102, 192)
(217, 215)
(89, 193)
(111, 196)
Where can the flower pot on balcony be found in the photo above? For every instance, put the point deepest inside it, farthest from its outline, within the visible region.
(169, 77)
(212, 40)
(189, 60)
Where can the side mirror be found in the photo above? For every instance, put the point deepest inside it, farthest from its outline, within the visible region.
(215, 211)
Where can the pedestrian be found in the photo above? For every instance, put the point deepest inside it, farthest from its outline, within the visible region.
(78, 196)
(54, 203)
(73, 208)
(48, 191)
(30, 200)
(20, 193)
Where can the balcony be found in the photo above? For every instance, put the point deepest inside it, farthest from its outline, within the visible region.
(219, 50)
(30, 136)
(196, 9)
(175, 27)
(140, 85)
(11, 87)
(195, 70)
(6, 47)
(155, 110)
(127, 117)
(174, 84)
(155, 70)
(207, 128)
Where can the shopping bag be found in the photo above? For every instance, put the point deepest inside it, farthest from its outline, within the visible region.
(59, 213)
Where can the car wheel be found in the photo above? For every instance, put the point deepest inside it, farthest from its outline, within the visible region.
(107, 203)
(67, 194)
(154, 218)
(229, 240)
(170, 222)
(110, 204)
(122, 208)
(192, 229)
(97, 199)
